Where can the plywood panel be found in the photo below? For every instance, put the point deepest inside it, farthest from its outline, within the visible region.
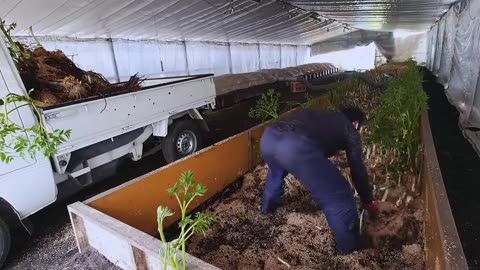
(442, 244)
(216, 167)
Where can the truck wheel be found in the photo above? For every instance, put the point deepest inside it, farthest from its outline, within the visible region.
(184, 137)
(5, 241)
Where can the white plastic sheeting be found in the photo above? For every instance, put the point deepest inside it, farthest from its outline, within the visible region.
(410, 45)
(146, 55)
(454, 55)
(248, 21)
(357, 58)
(208, 58)
(288, 56)
(447, 48)
(151, 58)
(303, 52)
(245, 57)
(270, 56)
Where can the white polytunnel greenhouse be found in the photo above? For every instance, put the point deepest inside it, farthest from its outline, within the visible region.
(177, 37)
(186, 78)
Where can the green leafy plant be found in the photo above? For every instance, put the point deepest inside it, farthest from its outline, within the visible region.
(16, 49)
(338, 95)
(311, 101)
(16, 140)
(396, 122)
(184, 191)
(267, 107)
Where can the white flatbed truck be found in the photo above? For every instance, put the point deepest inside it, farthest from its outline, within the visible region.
(165, 115)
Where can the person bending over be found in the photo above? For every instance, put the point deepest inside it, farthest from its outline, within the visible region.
(301, 145)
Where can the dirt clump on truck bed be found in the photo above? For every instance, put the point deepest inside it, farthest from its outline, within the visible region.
(297, 235)
(55, 78)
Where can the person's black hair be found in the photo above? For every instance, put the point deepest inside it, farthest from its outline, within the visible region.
(353, 114)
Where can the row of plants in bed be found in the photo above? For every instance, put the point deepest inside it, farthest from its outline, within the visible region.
(233, 234)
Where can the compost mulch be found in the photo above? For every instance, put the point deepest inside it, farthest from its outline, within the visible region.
(460, 167)
(295, 236)
(232, 120)
(56, 79)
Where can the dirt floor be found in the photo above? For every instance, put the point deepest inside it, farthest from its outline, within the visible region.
(295, 236)
(460, 166)
(53, 246)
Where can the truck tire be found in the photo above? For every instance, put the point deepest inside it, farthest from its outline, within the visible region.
(5, 241)
(184, 138)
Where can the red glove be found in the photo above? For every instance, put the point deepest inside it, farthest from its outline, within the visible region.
(372, 209)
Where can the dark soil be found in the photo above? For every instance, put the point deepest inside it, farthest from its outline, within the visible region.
(297, 234)
(460, 166)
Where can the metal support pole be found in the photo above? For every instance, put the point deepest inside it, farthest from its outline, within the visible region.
(259, 57)
(230, 62)
(296, 55)
(280, 55)
(114, 60)
(186, 57)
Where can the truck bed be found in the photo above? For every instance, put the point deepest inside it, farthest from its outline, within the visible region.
(99, 118)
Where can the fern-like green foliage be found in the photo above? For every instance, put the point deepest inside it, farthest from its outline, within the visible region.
(184, 191)
(396, 122)
(267, 107)
(17, 140)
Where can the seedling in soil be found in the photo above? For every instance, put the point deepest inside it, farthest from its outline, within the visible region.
(16, 140)
(396, 122)
(185, 191)
(267, 107)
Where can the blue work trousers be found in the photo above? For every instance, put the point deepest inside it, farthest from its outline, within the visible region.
(287, 151)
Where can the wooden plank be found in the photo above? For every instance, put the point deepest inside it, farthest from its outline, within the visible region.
(443, 246)
(124, 245)
(79, 231)
(139, 258)
(135, 202)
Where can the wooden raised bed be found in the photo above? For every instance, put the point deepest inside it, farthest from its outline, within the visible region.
(121, 223)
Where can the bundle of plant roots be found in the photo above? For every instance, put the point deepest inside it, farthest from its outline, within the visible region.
(55, 79)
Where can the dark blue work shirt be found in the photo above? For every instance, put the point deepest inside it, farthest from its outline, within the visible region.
(330, 132)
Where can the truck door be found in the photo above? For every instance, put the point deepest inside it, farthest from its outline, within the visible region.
(17, 163)
(28, 184)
